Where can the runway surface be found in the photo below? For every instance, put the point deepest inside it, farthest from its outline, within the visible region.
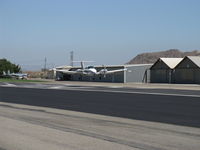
(180, 107)
(71, 117)
(25, 127)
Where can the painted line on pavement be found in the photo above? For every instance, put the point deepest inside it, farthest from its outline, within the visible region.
(132, 92)
(106, 91)
(9, 85)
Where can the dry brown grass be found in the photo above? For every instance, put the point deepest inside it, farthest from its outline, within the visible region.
(35, 74)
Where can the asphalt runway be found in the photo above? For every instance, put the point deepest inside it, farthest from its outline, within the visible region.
(25, 127)
(163, 108)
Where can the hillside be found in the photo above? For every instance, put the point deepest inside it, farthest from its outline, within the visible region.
(146, 58)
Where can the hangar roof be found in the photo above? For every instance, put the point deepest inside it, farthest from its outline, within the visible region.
(171, 62)
(116, 66)
(61, 67)
(195, 59)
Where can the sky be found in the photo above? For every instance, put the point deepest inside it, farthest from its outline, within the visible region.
(109, 32)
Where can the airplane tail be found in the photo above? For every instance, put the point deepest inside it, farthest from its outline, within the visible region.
(82, 63)
(4, 73)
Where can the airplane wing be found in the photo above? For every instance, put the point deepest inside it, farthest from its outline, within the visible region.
(114, 71)
(111, 71)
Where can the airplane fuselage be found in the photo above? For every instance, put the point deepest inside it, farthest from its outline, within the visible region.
(90, 71)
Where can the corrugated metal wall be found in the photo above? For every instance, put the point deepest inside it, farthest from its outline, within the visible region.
(184, 76)
(160, 73)
(138, 73)
(197, 76)
(160, 76)
(186, 72)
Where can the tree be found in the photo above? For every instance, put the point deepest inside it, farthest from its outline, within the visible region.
(6, 66)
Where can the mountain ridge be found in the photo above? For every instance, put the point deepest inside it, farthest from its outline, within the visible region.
(146, 58)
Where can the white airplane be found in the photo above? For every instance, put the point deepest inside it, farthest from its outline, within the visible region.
(15, 75)
(90, 70)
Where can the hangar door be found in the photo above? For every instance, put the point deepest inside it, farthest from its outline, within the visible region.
(184, 76)
(160, 76)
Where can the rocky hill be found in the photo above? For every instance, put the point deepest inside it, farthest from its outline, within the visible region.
(146, 58)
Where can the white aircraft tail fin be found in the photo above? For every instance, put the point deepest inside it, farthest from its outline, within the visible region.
(82, 63)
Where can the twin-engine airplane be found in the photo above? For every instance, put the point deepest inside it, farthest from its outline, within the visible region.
(15, 75)
(90, 70)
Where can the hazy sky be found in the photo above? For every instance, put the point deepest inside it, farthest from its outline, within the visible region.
(105, 31)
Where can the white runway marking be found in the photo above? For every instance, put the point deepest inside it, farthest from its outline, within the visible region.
(116, 87)
(77, 87)
(9, 85)
(67, 87)
(133, 92)
(89, 89)
(55, 87)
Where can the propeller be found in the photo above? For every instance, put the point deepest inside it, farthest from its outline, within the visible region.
(103, 71)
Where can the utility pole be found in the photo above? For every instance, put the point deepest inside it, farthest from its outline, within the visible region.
(72, 58)
(45, 64)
